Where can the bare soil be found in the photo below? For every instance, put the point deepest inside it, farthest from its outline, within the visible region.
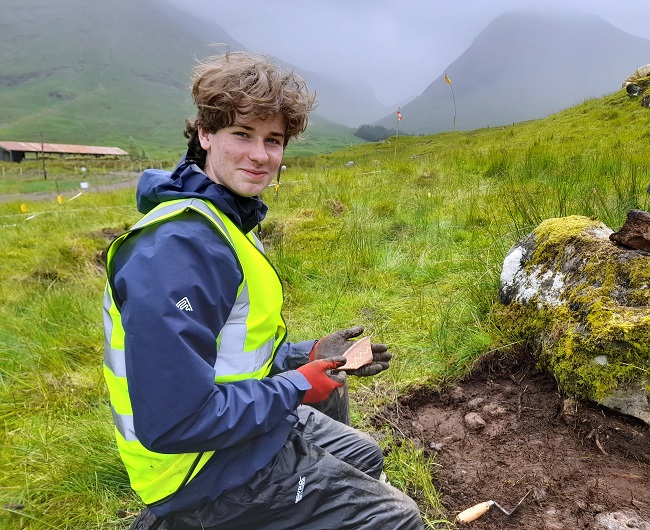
(575, 460)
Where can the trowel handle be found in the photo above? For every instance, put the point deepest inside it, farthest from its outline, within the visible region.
(474, 512)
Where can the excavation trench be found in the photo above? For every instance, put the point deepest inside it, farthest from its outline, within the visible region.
(507, 430)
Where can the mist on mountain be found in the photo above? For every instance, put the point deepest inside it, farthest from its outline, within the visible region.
(522, 66)
(117, 73)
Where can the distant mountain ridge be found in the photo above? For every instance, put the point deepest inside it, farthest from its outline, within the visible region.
(523, 66)
(91, 72)
(117, 73)
(114, 73)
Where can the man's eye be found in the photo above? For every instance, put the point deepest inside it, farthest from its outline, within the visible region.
(241, 133)
(273, 141)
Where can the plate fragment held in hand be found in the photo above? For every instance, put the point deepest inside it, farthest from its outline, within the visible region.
(358, 355)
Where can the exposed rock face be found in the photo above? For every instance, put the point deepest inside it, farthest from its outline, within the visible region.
(583, 304)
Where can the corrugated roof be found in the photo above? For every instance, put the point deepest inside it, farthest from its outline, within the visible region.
(37, 147)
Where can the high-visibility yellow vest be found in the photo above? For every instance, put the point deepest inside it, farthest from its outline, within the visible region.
(245, 348)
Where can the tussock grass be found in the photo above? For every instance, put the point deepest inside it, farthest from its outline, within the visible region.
(408, 242)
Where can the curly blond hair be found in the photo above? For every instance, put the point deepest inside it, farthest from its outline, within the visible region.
(244, 83)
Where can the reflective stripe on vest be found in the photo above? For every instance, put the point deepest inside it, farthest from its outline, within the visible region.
(245, 347)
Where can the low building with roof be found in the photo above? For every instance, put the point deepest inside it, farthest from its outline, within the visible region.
(18, 151)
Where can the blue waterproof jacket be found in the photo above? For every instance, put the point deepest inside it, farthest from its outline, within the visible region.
(177, 407)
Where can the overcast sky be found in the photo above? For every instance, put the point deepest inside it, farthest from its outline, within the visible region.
(414, 40)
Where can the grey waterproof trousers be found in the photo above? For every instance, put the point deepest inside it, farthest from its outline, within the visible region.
(325, 477)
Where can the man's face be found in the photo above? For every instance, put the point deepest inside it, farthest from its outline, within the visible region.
(246, 156)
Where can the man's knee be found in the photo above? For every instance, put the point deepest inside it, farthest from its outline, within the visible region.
(412, 512)
(371, 455)
(409, 512)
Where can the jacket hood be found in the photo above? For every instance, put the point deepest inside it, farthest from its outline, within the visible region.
(189, 181)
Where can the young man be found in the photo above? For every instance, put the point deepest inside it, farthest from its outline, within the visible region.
(209, 403)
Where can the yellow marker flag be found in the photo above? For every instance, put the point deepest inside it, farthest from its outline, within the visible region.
(23, 208)
(59, 199)
(448, 81)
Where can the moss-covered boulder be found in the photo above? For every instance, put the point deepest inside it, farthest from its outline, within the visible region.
(582, 303)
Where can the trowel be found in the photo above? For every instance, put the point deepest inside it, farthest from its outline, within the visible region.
(473, 513)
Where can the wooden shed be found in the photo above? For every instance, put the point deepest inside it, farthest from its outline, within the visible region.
(17, 151)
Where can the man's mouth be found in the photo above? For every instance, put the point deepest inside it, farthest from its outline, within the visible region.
(255, 173)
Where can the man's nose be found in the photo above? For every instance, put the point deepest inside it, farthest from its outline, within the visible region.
(258, 152)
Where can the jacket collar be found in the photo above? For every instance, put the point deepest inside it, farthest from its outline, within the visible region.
(189, 180)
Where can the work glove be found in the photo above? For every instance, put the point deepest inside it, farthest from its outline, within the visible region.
(336, 344)
(322, 384)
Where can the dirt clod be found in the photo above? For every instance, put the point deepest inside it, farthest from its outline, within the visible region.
(474, 421)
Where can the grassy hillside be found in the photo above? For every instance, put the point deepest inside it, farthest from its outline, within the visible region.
(101, 74)
(408, 242)
(322, 136)
(110, 74)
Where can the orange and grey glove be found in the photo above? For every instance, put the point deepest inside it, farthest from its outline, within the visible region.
(322, 383)
(337, 343)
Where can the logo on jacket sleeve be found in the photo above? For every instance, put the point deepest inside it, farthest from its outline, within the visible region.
(301, 488)
(184, 304)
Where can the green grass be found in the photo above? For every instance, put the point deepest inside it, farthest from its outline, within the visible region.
(408, 242)
(66, 184)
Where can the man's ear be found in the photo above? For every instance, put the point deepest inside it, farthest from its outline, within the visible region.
(204, 138)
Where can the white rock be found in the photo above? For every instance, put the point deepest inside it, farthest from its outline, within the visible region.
(620, 521)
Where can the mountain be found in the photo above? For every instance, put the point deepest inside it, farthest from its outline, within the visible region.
(524, 66)
(108, 73)
(343, 102)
